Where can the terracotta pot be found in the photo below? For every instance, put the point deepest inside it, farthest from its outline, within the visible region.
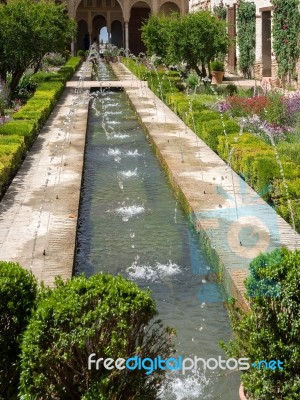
(217, 77)
(242, 393)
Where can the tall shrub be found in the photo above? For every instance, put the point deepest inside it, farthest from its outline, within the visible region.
(106, 315)
(246, 36)
(155, 35)
(285, 32)
(271, 330)
(196, 38)
(18, 290)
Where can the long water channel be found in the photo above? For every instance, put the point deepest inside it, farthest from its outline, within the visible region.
(130, 223)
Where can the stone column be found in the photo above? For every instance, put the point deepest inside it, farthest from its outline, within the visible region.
(126, 38)
(73, 47)
(90, 26)
(108, 26)
(258, 46)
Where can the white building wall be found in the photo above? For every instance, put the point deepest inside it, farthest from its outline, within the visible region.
(260, 4)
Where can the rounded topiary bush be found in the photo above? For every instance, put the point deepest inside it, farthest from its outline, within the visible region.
(80, 53)
(106, 315)
(18, 291)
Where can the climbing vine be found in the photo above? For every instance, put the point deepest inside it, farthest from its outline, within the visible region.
(246, 36)
(220, 11)
(285, 31)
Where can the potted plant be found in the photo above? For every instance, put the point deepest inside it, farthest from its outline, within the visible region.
(242, 393)
(80, 53)
(217, 71)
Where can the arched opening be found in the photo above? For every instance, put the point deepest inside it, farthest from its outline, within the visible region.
(104, 37)
(168, 8)
(117, 33)
(99, 22)
(82, 36)
(139, 13)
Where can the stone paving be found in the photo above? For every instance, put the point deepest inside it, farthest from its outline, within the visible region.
(38, 214)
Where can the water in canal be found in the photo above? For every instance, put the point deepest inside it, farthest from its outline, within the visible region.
(131, 223)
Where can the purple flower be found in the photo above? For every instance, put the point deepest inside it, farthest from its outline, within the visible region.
(4, 118)
(223, 106)
(292, 106)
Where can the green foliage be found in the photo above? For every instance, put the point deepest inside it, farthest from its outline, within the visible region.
(36, 110)
(54, 59)
(285, 33)
(137, 69)
(217, 65)
(155, 34)
(160, 82)
(214, 129)
(282, 206)
(246, 21)
(22, 128)
(220, 11)
(185, 38)
(25, 87)
(189, 39)
(275, 109)
(3, 105)
(80, 53)
(290, 151)
(180, 86)
(271, 330)
(18, 291)
(106, 315)
(231, 89)
(42, 27)
(68, 70)
(42, 76)
(192, 80)
(12, 150)
(252, 158)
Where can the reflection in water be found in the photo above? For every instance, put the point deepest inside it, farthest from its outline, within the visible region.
(127, 225)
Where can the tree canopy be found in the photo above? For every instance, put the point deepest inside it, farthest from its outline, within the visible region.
(29, 30)
(196, 38)
(155, 35)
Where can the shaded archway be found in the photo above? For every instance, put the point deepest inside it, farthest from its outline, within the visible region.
(117, 33)
(168, 8)
(266, 44)
(104, 36)
(82, 36)
(99, 22)
(139, 13)
(231, 23)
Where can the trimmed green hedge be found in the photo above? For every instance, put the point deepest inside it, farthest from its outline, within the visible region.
(18, 292)
(106, 315)
(27, 122)
(251, 157)
(26, 129)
